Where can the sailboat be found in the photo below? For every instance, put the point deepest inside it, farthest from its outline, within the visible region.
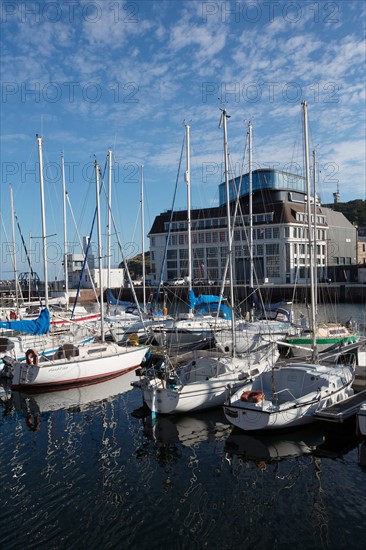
(275, 321)
(291, 395)
(203, 319)
(206, 380)
(128, 321)
(84, 362)
(327, 335)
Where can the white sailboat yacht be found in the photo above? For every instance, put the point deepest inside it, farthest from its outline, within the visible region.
(206, 380)
(78, 363)
(291, 395)
(202, 320)
(275, 322)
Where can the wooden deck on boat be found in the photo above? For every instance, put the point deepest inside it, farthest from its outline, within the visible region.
(339, 412)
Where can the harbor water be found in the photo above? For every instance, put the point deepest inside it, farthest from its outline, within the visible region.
(88, 468)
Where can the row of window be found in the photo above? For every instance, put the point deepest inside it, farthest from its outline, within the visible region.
(301, 217)
(266, 217)
(259, 233)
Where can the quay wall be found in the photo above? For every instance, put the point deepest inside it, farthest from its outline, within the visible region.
(327, 293)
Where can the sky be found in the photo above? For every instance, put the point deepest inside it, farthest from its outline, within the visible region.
(89, 76)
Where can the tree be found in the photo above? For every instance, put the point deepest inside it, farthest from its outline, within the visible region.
(135, 265)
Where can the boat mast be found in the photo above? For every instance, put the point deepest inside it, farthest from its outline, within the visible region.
(109, 218)
(143, 240)
(223, 121)
(310, 228)
(187, 177)
(315, 232)
(14, 251)
(251, 274)
(65, 230)
(99, 251)
(44, 244)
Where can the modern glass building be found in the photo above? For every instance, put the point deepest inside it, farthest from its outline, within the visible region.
(262, 179)
(280, 246)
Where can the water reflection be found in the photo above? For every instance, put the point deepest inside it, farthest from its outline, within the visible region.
(187, 430)
(187, 481)
(275, 445)
(74, 399)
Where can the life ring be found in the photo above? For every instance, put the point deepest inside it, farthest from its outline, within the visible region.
(33, 423)
(13, 315)
(31, 357)
(252, 396)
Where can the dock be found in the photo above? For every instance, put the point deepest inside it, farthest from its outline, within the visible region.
(342, 411)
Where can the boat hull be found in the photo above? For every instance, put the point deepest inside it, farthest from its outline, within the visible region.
(361, 419)
(205, 382)
(97, 361)
(290, 396)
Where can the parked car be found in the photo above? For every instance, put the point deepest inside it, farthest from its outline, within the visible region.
(203, 282)
(177, 281)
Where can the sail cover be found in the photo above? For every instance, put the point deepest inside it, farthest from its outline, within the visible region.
(35, 326)
(205, 303)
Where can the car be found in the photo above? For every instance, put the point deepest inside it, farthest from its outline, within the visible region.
(178, 281)
(203, 282)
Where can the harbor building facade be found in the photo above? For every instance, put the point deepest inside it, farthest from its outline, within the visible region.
(280, 234)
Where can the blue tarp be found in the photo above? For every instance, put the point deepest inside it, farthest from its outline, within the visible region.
(36, 326)
(113, 301)
(208, 304)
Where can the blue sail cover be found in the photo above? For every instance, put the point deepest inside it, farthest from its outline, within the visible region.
(114, 302)
(208, 304)
(279, 309)
(36, 326)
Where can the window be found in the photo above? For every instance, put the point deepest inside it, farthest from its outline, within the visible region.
(198, 253)
(171, 254)
(212, 251)
(212, 262)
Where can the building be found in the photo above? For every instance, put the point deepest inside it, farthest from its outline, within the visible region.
(281, 249)
(88, 276)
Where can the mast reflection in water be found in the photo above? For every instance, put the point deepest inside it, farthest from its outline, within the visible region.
(81, 468)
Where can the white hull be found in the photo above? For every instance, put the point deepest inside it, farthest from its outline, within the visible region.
(361, 419)
(46, 344)
(96, 361)
(246, 334)
(190, 331)
(300, 391)
(77, 396)
(204, 383)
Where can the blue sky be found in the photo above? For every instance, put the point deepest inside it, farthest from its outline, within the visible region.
(94, 75)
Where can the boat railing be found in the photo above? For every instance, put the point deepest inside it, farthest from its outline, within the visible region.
(278, 395)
